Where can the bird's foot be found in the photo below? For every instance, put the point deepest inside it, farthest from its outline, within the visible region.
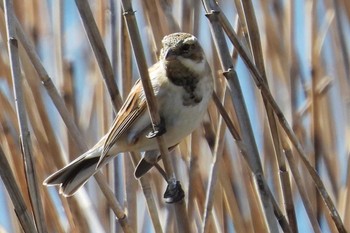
(158, 130)
(174, 192)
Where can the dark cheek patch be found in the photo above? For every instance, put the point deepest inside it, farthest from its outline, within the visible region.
(196, 57)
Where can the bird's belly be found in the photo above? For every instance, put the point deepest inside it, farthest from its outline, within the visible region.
(179, 122)
(183, 122)
(180, 119)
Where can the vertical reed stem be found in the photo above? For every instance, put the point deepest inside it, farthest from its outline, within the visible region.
(25, 140)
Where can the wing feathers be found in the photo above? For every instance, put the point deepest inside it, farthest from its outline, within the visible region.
(133, 108)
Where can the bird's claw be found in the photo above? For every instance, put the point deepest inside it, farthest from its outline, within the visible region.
(174, 192)
(158, 130)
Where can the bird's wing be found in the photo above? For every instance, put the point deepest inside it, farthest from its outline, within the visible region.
(133, 109)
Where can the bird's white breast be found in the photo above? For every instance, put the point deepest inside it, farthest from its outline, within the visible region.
(182, 120)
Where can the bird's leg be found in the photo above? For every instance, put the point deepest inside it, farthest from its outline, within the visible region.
(174, 192)
(158, 130)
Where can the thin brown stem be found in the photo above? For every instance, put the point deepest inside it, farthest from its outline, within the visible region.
(283, 123)
(253, 158)
(153, 108)
(25, 140)
(21, 210)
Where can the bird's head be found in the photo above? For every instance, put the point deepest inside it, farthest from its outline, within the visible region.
(183, 48)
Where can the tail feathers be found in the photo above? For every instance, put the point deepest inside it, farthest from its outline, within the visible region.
(74, 175)
(144, 166)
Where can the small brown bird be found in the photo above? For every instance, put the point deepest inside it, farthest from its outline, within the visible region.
(183, 85)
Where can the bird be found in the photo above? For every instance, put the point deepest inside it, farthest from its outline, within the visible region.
(183, 85)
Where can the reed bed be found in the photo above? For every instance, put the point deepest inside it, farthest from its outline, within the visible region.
(271, 155)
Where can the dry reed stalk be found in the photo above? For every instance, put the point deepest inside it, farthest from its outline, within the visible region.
(58, 28)
(125, 74)
(344, 51)
(346, 6)
(53, 225)
(11, 146)
(323, 91)
(69, 99)
(196, 16)
(285, 225)
(125, 61)
(49, 140)
(213, 176)
(101, 114)
(279, 215)
(301, 189)
(20, 208)
(103, 118)
(256, 212)
(346, 205)
(166, 8)
(34, 99)
(230, 197)
(113, 203)
(153, 17)
(151, 205)
(218, 211)
(236, 203)
(193, 189)
(114, 17)
(131, 187)
(131, 23)
(242, 23)
(19, 176)
(22, 121)
(310, 170)
(316, 72)
(48, 84)
(100, 52)
(285, 126)
(330, 224)
(187, 10)
(61, 107)
(283, 53)
(141, 61)
(122, 65)
(231, 202)
(236, 95)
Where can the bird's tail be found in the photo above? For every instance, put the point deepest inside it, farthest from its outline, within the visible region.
(75, 174)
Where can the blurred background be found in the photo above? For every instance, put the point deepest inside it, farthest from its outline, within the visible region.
(305, 59)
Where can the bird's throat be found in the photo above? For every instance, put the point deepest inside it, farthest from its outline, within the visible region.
(182, 76)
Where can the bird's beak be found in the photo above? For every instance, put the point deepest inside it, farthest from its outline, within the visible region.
(170, 55)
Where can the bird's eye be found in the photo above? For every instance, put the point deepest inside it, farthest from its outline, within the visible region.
(186, 47)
